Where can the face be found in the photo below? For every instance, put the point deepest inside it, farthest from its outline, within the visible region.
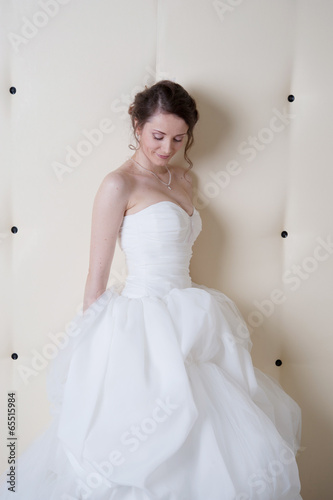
(161, 137)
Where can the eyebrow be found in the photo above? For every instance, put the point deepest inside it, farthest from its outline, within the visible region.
(155, 130)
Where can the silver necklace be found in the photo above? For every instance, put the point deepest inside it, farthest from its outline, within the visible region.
(167, 184)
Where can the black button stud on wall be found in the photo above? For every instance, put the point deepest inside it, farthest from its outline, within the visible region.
(14, 355)
(14, 229)
(291, 98)
(284, 234)
(278, 362)
(12, 90)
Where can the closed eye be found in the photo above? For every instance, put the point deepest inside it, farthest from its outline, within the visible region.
(160, 138)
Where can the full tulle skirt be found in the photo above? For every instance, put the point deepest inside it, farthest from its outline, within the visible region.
(156, 398)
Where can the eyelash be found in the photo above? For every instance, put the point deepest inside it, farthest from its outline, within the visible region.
(160, 138)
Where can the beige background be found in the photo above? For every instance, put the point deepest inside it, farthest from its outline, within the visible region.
(262, 166)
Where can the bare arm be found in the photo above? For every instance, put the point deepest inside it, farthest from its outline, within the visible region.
(108, 211)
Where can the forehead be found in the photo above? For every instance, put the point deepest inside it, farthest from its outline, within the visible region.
(167, 123)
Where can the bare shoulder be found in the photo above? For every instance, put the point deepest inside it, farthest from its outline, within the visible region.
(115, 183)
(115, 190)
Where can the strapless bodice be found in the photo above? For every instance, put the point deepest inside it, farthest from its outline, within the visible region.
(157, 242)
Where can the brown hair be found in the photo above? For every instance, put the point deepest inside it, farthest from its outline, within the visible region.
(167, 97)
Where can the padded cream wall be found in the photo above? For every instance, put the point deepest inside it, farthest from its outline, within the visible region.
(262, 166)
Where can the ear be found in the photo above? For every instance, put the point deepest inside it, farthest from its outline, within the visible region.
(138, 130)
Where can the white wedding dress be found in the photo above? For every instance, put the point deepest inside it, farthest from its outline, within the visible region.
(154, 395)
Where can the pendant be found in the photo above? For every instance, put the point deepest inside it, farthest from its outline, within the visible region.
(169, 187)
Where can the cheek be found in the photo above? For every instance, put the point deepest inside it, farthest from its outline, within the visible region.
(179, 145)
(150, 143)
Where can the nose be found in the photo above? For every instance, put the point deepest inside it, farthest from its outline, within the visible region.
(167, 147)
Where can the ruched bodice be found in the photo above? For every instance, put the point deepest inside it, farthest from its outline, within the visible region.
(157, 242)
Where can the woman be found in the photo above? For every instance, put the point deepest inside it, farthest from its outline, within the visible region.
(144, 179)
(154, 395)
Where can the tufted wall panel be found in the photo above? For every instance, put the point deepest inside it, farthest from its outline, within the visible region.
(263, 178)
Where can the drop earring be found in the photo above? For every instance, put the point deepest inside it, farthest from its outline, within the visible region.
(133, 148)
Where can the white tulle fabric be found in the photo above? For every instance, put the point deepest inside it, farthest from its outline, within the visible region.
(154, 395)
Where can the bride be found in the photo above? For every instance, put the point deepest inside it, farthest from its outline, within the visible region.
(144, 179)
(154, 396)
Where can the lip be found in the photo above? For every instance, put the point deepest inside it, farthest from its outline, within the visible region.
(163, 157)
